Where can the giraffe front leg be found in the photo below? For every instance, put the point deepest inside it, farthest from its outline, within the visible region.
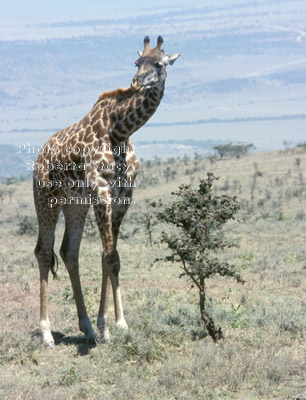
(74, 219)
(44, 323)
(84, 321)
(73, 270)
(113, 264)
(102, 321)
(110, 268)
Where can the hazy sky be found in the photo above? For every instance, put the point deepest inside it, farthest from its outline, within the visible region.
(35, 11)
(241, 59)
(17, 15)
(67, 10)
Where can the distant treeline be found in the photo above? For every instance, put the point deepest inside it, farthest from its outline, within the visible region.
(205, 144)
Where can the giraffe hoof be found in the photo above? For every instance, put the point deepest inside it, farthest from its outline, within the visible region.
(121, 324)
(91, 338)
(49, 345)
(105, 339)
(85, 327)
(103, 330)
(45, 332)
(104, 335)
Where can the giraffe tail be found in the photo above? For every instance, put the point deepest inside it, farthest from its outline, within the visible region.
(54, 264)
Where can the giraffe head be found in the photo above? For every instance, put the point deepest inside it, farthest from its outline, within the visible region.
(152, 65)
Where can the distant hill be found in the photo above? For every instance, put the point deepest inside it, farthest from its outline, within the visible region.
(17, 160)
(241, 75)
(173, 148)
(14, 164)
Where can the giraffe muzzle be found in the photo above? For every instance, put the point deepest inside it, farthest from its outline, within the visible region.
(136, 83)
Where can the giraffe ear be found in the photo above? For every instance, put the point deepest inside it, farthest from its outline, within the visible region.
(140, 53)
(173, 58)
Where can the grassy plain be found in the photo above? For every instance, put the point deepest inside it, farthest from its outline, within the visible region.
(167, 354)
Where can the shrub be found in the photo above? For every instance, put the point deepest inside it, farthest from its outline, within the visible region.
(199, 217)
(233, 150)
(26, 226)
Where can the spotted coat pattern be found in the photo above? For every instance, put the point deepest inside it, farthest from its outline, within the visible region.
(93, 162)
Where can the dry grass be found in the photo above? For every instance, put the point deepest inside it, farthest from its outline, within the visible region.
(166, 354)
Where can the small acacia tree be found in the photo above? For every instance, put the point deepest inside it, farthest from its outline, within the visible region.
(233, 150)
(199, 216)
(148, 221)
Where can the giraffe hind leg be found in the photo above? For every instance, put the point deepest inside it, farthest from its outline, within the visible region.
(75, 216)
(46, 261)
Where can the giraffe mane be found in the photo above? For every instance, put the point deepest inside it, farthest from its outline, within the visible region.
(117, 94)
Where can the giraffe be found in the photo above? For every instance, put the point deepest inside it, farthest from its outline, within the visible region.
(93, 162)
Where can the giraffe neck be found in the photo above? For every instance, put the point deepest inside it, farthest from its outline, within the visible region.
(124, 111)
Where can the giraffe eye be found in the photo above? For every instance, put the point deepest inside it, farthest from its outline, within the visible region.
(158, 65)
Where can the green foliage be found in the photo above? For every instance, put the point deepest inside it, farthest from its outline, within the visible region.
(69, 377)
(301, 145)
(245, 260)
(26, 226)
(90, 228)
(148, 221)
(199, 216)
(169, 173)
(11, 180)
(136, 346)
(68, 297)
(239, 320)
(281, 315)
(161, 323)
(300, 215)
(3, 193)
(233, 150)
